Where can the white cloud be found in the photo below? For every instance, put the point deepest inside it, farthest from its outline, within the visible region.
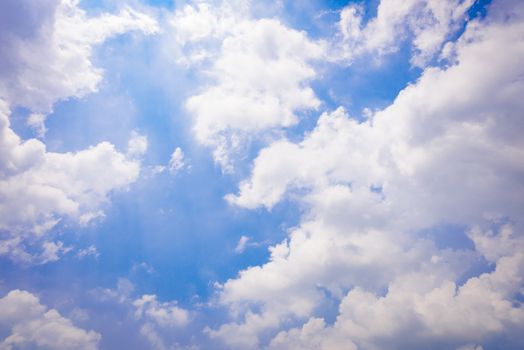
(428, 23)
(428, 309)
(242, 244)
(137, 145)
(36, 121)
(155, 315)
(51, 251)
(259, 73)
(177, 161)
(148, 331)
(164, 314)
(39, 188)
(198, 29)
(29, 323)
(156, 318)
(89, 251)
(46, 56)
(447, 151)
(203, 20)
(458, 136)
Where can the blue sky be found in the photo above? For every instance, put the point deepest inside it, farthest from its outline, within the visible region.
(348, 175)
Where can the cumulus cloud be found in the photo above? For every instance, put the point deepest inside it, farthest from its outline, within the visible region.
(446, 151)
(156, 318)
(431, 310)
(47, 48)
(46, 57)
(165, 314)
(39, 188)
(28, 323)
(458, 136)
(258, 70)
(428, 23)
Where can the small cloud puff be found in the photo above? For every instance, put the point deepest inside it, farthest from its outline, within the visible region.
(242, 244)
(137, 145)
(176, 163)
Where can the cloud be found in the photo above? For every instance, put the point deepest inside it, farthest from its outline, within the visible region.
(36, 121)
(430, 310)
(156, 318)
(164, 314)
(427, 23)
(176, 162)
(258, 75)
(242, 244)
(46, 57)
(89, 251)
(199, 27)
(29, 323)
(137, 145)
(39, 188)
(446, 151)
(46, 54)
(458, 136)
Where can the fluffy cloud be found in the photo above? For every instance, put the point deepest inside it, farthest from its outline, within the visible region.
(156, 319)
(458, 136)
(259, 75)
(446, 151)
(155, 315)
(204, 21)
(38, 188)
(166, 314)
(29, 323)
(176, 162)
(47, 48)
(431, 310)
(46, 57)
(428, 23)
(137, 145)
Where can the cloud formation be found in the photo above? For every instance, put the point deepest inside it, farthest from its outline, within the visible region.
(260, 74)
(410, 232)
(444, 152)
(428, 24)
(39, 188)
(46, 58)
(155, 318)
(47, 49)
(28, 323)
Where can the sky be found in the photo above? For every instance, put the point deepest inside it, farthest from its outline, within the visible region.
(235, 174)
